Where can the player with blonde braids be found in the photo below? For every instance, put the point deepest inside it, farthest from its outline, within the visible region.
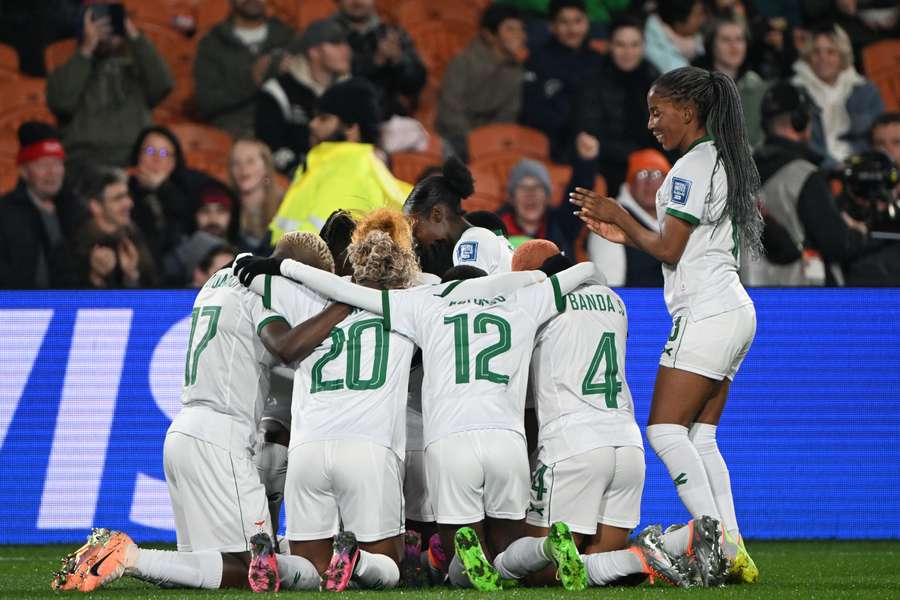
(344, 488)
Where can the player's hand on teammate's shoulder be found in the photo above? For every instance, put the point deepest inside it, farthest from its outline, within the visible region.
(247, 267)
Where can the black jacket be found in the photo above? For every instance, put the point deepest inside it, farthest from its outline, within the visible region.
(554, 76)
(825, 229)
(25, 243)
(393, 81)
(613, 108)
(283, 112)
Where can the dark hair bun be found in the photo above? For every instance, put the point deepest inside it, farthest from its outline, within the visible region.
(458, 177)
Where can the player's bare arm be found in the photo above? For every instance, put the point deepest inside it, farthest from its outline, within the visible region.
(291, 345)
(666, 246)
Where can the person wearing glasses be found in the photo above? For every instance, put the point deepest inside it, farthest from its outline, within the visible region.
(624, 265)
(162, 189)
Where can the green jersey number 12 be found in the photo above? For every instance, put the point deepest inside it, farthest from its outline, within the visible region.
(480, 325)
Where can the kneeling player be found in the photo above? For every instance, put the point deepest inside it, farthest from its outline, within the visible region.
(218, 500)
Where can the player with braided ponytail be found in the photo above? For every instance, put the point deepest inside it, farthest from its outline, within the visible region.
(707, 207)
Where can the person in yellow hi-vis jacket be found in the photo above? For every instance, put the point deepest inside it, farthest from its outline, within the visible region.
(342, 170)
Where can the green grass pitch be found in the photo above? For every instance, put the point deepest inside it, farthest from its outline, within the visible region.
(801, 570)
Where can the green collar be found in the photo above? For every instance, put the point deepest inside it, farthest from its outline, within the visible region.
(705, 138)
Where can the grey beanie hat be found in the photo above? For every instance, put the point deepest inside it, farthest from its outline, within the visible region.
(529, 168)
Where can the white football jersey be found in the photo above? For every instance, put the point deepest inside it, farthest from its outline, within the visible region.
(482, 248)
(354, 384)
(226, 368)
(705, 280)
(578, 377)
(475, 353)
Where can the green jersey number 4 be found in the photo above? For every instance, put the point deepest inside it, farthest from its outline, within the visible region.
(604, 355)
(480, 325)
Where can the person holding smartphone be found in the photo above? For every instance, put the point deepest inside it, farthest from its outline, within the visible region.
(103, 95)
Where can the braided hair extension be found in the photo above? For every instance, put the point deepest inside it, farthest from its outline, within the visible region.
(718, 104)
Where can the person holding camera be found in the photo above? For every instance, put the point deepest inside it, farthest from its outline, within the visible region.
(806, 236)
(103, 95)
(234, 60)
(870, 195)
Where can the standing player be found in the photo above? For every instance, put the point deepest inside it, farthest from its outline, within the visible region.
(444, 237)
(345, 468)
(218, 500)
(476, 462)
(591, 457)
(705, 205)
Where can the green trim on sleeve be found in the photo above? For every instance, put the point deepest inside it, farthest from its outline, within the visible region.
(267, 292)
(386, 309)
(450, 288)
(683, 216)
(558, 295)
(268, 320)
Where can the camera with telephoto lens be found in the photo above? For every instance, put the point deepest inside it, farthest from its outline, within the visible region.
(870, 182)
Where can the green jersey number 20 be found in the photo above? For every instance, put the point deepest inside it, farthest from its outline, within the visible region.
(352, 341)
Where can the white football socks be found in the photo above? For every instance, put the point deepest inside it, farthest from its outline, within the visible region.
(297, 573)
(674, 448)
(271, 463)
(606, 567)
(523, 557)
(703, 437)
(181, 569)
(457, 573)
(376, 571)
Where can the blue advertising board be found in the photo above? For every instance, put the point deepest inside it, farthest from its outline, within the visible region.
(89, 382)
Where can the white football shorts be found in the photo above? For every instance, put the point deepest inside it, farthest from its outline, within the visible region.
(603, 485)
(714, 347)
(351, 482)
(476, 473)
(216, 495)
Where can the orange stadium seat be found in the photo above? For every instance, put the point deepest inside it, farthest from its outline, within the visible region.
(488, 183)
(560, 175)
(505, 137)
(312, 10)
(9, 62)
(407, 166)
(57, 53)
(411, 13)
(287, 11)
(9, 173)
(22, 100)
(438, 43)
(881, 62)
(210, 13)
(202, 139)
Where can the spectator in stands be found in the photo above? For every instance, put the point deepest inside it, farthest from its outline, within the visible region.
(612, 105)
(848, 102)
(622, 264)
(212, 228)
(233, 60)
(483, 84)
(108, 251)
(384, 54)
(102, 96)
(884, 135)
(342, 168)
(725, 46)
(287, 103)
(251, 174)
(772, 52)
(555, 72)
(163, 189)
(217, 258)
(865, 21)
(529, 210)
(673, 33)
(36, 216)
(806, 236)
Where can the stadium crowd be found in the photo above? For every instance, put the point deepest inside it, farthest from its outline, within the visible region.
(147, 147)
